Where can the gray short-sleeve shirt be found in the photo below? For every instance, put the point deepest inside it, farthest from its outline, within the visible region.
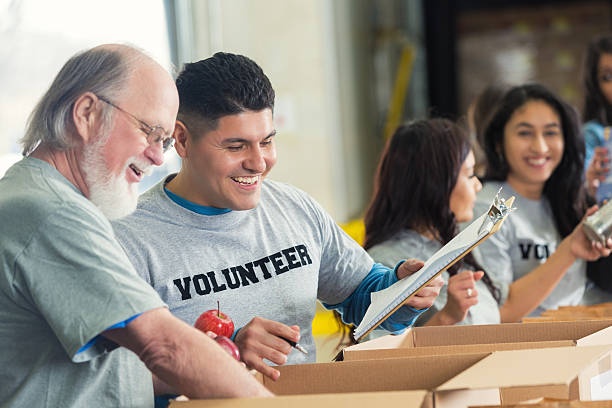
(526, 240)
(272, 261)
(64, 279)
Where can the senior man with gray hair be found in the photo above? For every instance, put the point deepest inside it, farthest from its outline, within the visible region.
(70, 296)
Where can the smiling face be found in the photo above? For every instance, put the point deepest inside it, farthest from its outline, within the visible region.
(533, 147)
(225, 167)
(604, 76)
(463, 196)
(118, 159)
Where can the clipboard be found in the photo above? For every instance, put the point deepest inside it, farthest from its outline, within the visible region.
(387, 301)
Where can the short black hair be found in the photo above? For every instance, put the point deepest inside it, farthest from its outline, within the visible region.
(224, 84)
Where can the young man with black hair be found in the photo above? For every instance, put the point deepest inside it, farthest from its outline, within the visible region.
(219, 231)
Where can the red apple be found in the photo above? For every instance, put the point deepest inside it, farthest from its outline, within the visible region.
(228, 346)
(216, 322)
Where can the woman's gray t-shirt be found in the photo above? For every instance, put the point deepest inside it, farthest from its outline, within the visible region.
(410, 244)
(525, 241)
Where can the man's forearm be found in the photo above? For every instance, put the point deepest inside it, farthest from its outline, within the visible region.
(185, 359)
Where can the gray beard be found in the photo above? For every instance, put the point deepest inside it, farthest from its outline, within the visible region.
(113, 195)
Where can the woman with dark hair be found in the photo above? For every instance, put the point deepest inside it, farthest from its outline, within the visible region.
(597, 115)
(424, 185)
(535, 152)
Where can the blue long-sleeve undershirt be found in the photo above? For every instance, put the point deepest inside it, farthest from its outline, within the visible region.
(355, 306)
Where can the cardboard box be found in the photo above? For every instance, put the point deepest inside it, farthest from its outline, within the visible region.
(454, 381)
(482, 338)
(554, 403)
(601, 311)
(562, 318)
(583, 373)
(352, 400)
(377, 382)
(401, 374)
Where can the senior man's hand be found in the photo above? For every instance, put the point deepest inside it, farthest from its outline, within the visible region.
(425, 297)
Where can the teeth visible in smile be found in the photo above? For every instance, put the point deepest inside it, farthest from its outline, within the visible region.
(537, 162)
(246, 180)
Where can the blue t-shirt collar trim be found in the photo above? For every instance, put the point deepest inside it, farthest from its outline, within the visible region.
(196, 208)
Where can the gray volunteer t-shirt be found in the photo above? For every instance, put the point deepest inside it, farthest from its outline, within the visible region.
(411, 244)
(526, 240)
(272, 261)
(64, 279)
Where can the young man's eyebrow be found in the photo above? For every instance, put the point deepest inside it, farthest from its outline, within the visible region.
(242, 140)
(234, 140)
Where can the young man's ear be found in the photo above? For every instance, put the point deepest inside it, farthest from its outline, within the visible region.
(85, 117)
(181, 138)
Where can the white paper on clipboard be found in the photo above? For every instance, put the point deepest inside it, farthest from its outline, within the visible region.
(386, 301)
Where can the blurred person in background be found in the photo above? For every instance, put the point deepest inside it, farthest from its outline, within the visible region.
(597, 113)
(535, 151)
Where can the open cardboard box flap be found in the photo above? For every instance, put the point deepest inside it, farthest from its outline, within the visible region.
(359, 384)
(519, 368)
(418, 398)
(507, 332)
(466, 339)
(553, 403)
(450, 381)
(454, 349)
(410, 373)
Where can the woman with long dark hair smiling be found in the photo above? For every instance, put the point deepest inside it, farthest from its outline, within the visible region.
(424, 185)
(535, 151)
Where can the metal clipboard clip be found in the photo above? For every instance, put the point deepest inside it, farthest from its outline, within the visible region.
(497, 213)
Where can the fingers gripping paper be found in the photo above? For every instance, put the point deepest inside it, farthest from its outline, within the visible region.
(387, 301)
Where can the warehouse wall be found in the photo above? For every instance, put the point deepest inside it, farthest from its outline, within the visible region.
(314, 53)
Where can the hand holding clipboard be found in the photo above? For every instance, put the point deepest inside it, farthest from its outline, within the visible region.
(387, 301)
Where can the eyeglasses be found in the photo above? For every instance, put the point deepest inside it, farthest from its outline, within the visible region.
(155, 134)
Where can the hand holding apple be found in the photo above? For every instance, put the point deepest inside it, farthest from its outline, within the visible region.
(216, 322)
(228, 346)
(222, 327)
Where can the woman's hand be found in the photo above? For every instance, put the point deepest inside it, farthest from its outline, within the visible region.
(462, 295)
(425, 297)
(580, 246)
